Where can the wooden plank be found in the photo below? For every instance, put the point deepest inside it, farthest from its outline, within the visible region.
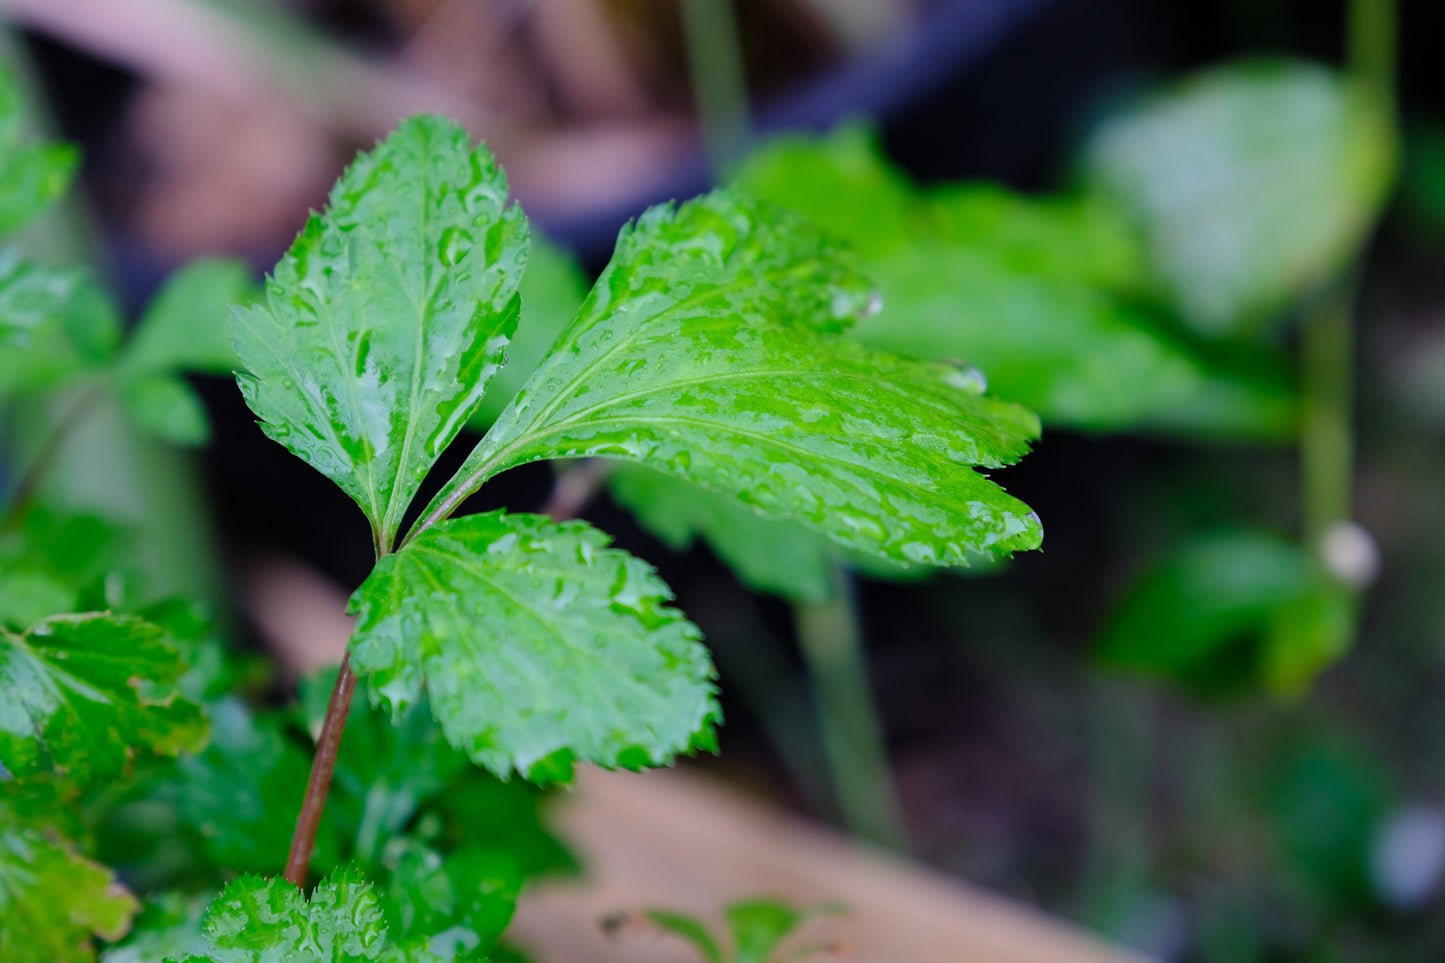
(675, 840)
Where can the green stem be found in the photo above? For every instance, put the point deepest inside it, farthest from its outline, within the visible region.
(847, 718)
(719, 81)
(1327, 449)
(1372, 31)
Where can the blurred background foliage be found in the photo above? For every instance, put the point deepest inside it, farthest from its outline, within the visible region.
(1202, 240)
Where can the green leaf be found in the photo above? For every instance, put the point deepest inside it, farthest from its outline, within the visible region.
(1037, 293)
(514, 826)
(85, 692)
(459, 905)
(383, 325)
(241, 794)
(1254, 185)
(1074, 352)
(55, 324)
(552, 290)
(811, 175)
(166, 408)
(271, 921)
(385, 771)
(169, 926)
(705, 350)
(690, 929)
(759, 928)
(33, 174)
(53, 901)
(766, 554)
(184, 328)
(539, 646)
(57, 562)
(1233, 611)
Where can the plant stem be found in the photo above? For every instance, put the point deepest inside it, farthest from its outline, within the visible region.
(719, 82)
(1371, 54)
(303, 841)
(1327, 448)
(847, 718)
(29, 480)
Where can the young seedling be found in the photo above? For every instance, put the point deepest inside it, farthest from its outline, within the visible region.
(707, 349)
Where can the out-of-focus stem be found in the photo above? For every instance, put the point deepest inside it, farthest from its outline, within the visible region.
(1327, 449)
(719, 82)
(847, 718)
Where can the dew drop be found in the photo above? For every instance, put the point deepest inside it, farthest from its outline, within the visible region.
(455, 244)
(965, 377)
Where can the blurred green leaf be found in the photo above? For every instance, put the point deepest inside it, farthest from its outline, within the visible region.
(184, 328)
(458, 904)
(169, 927)
(1325, 800)
(33, 174)
(166, 408)
(758, 930)
(1254, 184)
(241, 794)
(1038, 293)
(385, 770)
(766, 554)
(539, 647)
(53, 901)
(404, 776)
(53, 562)
(688, 928)
(85, 692)
(55, 324)
(1232, 612)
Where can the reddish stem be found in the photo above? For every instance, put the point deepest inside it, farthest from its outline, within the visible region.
(322, 768)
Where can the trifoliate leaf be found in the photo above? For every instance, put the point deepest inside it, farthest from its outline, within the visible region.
(766, 554)
(458, 905)
(1036, 293)
(271, 921)
(53, 901)
(1253, 183)
(55, 324)
(1231, 612)
(705, 350)
(33, 174)
(539, 646)
(383, 325)
(241, 794)
(83, 693)
(185, 328)
(552, 290)
(166, 408)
